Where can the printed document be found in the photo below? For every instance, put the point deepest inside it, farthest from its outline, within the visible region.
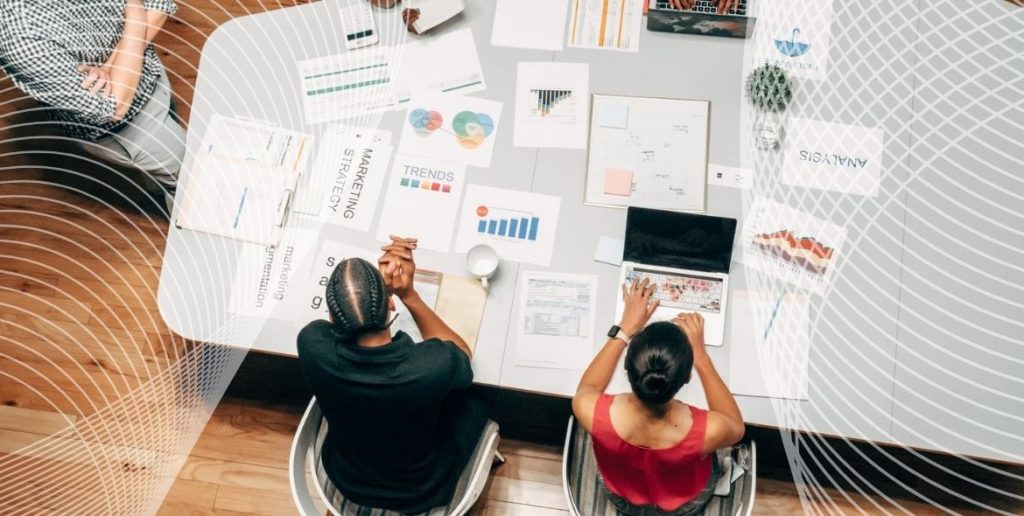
(555, 325)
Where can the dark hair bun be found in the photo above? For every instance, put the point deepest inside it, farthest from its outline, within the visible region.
(658, 364)
(654, 387)
(357, 298)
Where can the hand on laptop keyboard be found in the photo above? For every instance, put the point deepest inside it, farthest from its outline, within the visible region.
(722, 6)
(725, 6)
(682, 5)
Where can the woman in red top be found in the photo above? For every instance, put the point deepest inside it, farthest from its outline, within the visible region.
(653, 451)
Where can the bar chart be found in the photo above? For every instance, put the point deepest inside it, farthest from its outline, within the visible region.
(547, 99)
(509, 224)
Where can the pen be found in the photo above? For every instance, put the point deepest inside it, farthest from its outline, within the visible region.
(241, 203)
(771, 319)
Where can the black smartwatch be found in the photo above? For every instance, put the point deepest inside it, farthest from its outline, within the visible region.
(616, 333)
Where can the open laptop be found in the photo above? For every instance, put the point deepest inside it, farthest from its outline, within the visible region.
(702, 18)
(688, 257)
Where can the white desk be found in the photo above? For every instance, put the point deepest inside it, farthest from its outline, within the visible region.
(885, 303)
(248, 69)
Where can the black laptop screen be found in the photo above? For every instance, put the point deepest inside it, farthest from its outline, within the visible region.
(679, 240)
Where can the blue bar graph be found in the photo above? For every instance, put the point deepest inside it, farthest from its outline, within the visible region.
(517, 228)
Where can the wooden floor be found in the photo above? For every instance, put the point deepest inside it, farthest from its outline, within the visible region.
(79, 329)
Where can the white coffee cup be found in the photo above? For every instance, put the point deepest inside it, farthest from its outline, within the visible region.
(482, 262)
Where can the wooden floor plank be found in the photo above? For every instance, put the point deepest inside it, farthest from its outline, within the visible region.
(525, 492)
(254, 501)
(236, 474)
(192, 492)
(33, 421)
(525, 467)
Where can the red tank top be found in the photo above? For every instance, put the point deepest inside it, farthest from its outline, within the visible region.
(667, 478)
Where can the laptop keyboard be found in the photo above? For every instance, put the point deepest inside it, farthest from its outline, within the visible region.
(703, 6)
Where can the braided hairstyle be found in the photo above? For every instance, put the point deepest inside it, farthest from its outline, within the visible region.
(357, 299)
(658, 363)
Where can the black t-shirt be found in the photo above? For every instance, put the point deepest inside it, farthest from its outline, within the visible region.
(387, 445)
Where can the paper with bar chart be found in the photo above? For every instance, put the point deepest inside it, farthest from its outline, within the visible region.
(452, 128)
(520, 226)
(791, 245)
(552, 105)
(348, 85)
(422, 201)
(381, 78)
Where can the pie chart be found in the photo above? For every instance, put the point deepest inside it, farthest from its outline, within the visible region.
(424, 122)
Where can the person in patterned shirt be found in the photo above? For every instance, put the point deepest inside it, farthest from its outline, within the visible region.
(93, 64)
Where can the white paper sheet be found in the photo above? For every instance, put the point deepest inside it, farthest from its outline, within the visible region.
(555, 325)
(451, 128)
(552, 105)
(310, 304)
(265, 276)
(730, 177)
(791, 245)
(256, 142)
(349, 183)
(332, 177)
(538, 24)
(609, 250)
(375, 79)
(422, 201)
(520, 226)
(794, 35)
(658, 160)
(835, 157)
(614, 25)
(445, 63)
(768, 345)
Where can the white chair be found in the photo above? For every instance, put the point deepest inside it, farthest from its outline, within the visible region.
(584, 496)
(306, 451)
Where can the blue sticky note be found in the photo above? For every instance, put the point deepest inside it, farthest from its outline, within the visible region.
(613, 116)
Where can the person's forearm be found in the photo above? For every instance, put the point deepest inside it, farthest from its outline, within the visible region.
(155, 22)
(719, 398)
(431, 325)
(126, 65)
(599, 373)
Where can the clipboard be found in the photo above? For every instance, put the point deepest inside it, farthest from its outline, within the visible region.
(243, 180)
(238, 199)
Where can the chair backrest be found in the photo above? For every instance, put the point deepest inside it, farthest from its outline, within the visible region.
(584, 496)
(305, 456)
(298, 463)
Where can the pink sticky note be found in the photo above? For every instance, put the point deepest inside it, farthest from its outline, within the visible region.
(618, 182)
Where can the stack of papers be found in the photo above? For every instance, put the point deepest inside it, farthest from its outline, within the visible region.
(242, 181)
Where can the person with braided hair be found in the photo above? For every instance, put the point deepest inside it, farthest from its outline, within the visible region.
(401, 425)
(655, 454)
